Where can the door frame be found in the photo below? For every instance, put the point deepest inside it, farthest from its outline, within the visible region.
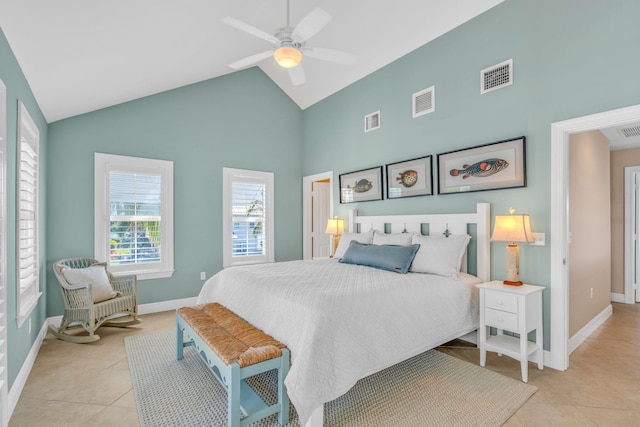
(307, 183)
(630, 173)
(559, 275)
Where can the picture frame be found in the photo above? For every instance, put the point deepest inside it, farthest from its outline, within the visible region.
(361, 186)
(493, 166)
(410, 178)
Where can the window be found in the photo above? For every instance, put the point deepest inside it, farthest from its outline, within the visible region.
(248, 217)
(28, 233)
(134, 215)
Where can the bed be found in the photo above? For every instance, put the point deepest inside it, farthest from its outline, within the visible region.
(343, 322)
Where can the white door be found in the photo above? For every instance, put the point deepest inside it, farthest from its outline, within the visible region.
(632, 235)
(636, 232)
(321, 242)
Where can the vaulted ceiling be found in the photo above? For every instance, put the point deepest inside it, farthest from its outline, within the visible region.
(79, 56)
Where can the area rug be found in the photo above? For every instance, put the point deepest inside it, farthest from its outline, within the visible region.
(431, 389)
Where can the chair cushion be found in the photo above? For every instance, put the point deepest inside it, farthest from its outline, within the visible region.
(96, 275)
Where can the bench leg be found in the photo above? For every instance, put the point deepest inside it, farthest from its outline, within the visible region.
(179, 340)
(283, 397)
(233, 394)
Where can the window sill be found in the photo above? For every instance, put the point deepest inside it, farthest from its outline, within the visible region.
(146, 275)
(27, 309)
(237, 264)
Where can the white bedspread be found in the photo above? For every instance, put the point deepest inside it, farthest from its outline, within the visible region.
(343, 322)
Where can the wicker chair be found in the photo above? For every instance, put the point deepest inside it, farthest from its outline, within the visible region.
(80, 310)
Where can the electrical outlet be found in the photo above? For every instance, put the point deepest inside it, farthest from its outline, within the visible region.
(29, 326)
(591, 292)
(539, 239)
(203, 275)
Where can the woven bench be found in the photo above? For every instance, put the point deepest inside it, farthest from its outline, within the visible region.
(233, 350)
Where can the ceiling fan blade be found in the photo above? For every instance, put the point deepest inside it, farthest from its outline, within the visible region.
(331, 55)
(243, 26)
(296, 74)
(310, 25)
(250, 60)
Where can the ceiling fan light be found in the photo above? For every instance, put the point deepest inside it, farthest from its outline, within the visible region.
(288, 57)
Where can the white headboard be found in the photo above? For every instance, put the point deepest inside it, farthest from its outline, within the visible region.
(456, 223)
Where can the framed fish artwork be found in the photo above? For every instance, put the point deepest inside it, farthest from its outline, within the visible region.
(410, 178)
(361, 186)
(491, 166)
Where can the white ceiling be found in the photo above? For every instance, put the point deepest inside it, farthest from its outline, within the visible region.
(617, 138)
(79, 55)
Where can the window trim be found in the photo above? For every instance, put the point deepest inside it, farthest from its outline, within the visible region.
(28, 131)
(229, 175)
(103, 164)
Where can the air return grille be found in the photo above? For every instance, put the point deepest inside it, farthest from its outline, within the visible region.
(496, 77)
(424, 102)
(372, 121)
(629, 132)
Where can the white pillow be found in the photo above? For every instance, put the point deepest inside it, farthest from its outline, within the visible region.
(346, 238)
(96, 275)
(400, 239)
(439, 255)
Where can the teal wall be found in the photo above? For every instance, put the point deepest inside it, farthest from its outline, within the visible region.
(242, 120)
(571, 58)
(19, 339)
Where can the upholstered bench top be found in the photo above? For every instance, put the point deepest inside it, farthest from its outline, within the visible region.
(231, 337)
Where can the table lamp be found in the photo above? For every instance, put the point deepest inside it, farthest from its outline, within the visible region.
(512, 228)
(335, 227)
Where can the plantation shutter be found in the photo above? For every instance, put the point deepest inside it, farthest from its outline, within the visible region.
(28, 223)
(135, 216)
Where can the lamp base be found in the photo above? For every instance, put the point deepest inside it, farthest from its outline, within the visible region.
(336, 239)
(510, 283)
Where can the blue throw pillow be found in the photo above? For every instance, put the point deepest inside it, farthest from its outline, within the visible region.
(386, 257)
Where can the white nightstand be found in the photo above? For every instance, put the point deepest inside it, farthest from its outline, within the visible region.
(516, 309)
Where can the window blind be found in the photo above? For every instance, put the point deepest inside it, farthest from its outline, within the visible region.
(248, 216)
(135, 206)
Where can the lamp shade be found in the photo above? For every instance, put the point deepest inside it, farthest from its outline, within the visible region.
(288, 57)
(512, 228)
(335, 226)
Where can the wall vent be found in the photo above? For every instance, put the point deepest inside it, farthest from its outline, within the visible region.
(629, 132)
(372, 121)
(496, 77)
(424, 102)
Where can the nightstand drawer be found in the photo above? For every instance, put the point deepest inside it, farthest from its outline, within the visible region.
(501, 301)
(501, 319)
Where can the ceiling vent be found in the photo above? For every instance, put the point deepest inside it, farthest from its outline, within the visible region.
(424, 102)
(496, 77)
(372, 121)
(629, 132)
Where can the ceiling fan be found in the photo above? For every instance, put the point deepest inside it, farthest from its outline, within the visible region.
(290, 44)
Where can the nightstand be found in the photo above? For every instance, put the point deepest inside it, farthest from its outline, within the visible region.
(515, 309)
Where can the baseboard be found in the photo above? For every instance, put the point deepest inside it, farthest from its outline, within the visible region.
(21, 380)
(471, 337)
(23, 375)
(156, 307)
(589, 328)
(617, 297)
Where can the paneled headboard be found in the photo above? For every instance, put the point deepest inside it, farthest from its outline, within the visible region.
(436, 225)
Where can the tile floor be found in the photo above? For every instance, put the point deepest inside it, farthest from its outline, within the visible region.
(89, 384)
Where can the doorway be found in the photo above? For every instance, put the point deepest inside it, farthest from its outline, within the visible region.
(317, 207)
(632, 234)
(560, 131)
